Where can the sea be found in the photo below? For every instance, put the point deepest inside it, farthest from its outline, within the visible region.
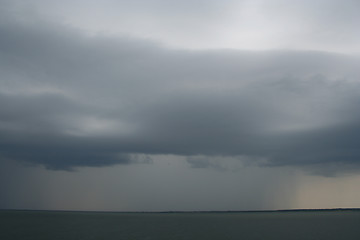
(300, 224)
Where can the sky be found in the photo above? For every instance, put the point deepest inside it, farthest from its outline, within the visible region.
(179, 105)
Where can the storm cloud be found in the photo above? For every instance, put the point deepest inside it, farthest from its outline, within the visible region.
(68, 99)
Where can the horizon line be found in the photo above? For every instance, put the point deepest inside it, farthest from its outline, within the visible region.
(187, 211)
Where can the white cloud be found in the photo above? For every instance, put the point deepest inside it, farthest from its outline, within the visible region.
(253, 25)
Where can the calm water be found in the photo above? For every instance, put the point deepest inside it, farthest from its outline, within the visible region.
(39, 225)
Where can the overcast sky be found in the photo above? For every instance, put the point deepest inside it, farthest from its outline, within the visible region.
(179, 105)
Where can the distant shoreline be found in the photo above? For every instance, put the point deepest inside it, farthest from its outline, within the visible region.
(160, 212)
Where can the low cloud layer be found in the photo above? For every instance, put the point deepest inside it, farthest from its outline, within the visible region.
(69, 100)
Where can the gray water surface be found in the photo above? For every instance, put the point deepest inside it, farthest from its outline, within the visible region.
(132, 226)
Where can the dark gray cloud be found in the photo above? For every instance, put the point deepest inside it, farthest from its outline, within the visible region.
(70, 100)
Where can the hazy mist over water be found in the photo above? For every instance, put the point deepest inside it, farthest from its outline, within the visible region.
(323, 224)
